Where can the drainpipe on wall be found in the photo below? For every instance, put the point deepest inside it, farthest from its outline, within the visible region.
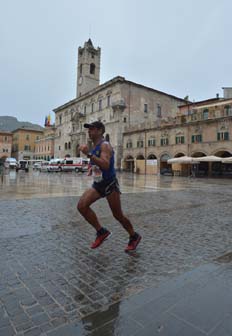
(129, 103)
(145, 152)
(188, 139)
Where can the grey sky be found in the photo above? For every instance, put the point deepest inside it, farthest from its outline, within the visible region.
(180, 47)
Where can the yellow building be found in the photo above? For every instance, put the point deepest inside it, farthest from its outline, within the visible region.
(23, 147)
(5, 144)
(44, 146)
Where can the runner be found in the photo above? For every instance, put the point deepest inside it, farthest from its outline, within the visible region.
(105, 184)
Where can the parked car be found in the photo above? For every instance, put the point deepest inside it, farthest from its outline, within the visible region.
(22, 165)
(79, 165)
(37, 165)
(10, 163)
(166, 172)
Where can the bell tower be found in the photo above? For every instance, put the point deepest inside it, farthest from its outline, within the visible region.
(88, 68)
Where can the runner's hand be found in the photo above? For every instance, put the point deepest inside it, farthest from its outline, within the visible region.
(84, 149)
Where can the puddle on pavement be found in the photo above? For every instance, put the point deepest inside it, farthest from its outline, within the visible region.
(34, 184)
(107, 322)
(225, 258)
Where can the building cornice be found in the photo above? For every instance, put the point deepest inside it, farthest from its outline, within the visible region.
(27, 130)
(5, 133)
(118, 79)
(90, 93)
(207, 103)
(186, 124)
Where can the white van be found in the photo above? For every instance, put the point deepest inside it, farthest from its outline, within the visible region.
(44, 166)
(22, 165)
(55, 165)
(10, 163)
(79, 165)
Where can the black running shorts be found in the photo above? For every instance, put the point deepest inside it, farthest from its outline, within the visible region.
(106, 187)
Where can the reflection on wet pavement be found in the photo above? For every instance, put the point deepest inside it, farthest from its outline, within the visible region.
(34, 184)
(47, 265)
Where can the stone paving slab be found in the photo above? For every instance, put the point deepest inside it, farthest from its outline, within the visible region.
(196, 303)
(50, 278)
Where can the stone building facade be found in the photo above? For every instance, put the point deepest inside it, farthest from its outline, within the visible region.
(118, 103)
(198, 129)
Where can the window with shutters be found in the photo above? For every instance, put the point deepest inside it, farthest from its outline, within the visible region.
(151, 142)
(196, 138)
(140, 143)
(163, 141)
(222, 136)
(179, 140)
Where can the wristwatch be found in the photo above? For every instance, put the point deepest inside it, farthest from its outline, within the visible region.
(89, 155)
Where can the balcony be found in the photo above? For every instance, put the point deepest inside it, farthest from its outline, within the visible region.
(118, 105)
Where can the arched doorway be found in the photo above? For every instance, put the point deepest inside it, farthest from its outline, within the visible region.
(140, 164)
(220, 168)
(223, 154)
(198, 154)
(78, 151)
(179, 155)
(129, 164)
(202, 169)
(152, 157)
(163, 161)
(140, 157)
(151, 164)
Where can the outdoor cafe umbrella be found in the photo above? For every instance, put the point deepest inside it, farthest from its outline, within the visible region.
(183, 160)
(210, 158)
(227, 160)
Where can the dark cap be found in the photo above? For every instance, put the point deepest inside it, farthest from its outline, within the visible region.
(96, 124)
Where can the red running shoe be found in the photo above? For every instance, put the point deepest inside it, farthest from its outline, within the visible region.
(133, 242)
(101, 236)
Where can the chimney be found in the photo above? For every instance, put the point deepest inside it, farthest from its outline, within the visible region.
(227, 92)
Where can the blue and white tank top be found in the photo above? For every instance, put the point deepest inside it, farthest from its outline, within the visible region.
(106, 173)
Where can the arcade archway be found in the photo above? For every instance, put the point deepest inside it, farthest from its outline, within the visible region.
(219, 168)
(163, 161)
(78, 153)
(129, 164)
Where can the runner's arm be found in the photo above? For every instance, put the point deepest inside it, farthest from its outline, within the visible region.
(104, 160)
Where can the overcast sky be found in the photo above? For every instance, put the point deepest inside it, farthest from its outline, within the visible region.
(182, 47)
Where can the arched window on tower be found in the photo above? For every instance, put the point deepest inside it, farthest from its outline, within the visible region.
(92, 68)
(81, 69)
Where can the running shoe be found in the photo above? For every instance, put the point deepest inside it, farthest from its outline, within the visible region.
(102, 235)
(133, 242)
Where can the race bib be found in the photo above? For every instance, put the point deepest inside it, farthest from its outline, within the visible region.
(96, 173)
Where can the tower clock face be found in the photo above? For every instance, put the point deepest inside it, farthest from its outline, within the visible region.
(80, 80)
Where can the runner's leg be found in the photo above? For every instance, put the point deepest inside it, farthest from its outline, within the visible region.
(115, 206)
(89, 197)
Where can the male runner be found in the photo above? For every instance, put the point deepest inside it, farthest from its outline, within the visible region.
(105, 184)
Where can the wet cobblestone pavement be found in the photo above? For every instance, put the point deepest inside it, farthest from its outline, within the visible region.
(50, 278)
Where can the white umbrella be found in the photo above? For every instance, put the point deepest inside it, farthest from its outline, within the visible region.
(183, 160)
(227, 160)
(210, 158)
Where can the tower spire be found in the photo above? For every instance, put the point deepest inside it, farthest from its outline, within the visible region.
(88, 68)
